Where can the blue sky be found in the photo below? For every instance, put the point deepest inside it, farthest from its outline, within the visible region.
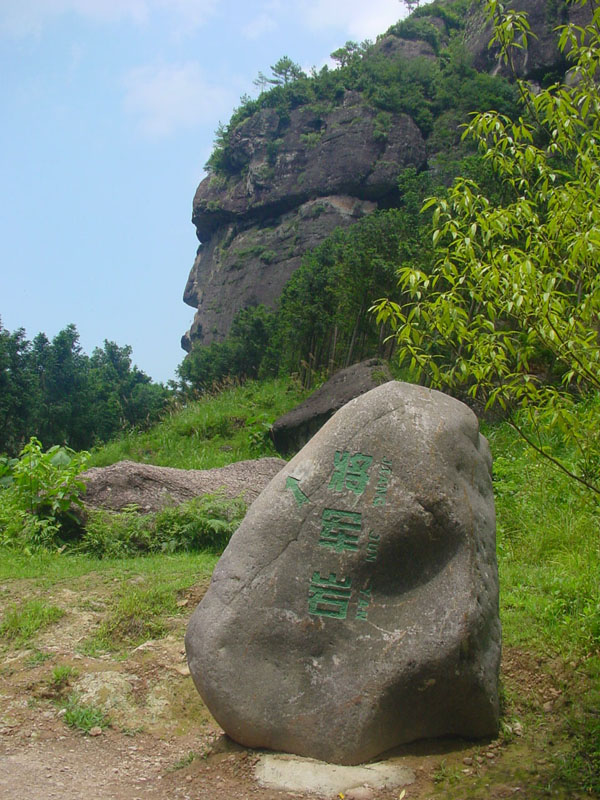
(109, 109)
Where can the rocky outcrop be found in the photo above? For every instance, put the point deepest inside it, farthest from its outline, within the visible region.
(296, 176)
(150, 488)
(299, 179)
(244, 263)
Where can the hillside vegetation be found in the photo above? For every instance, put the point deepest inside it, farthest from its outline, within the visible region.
(548, 551)
(499, 301)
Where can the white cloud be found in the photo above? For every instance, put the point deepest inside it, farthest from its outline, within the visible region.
(24, 17)
(263, 23)
(169, 97)
(360, 19)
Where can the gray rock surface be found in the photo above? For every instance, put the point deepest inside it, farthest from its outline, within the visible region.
(299, 179)
(542, 55)
(306, 775)
(151, 488)
(245, 264)
(356, 607)
(293, 430)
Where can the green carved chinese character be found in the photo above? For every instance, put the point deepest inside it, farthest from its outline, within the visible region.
(350, 472)
(372, 546)
(299, 496)
(340, 529)
(329, 597)
(364, 598)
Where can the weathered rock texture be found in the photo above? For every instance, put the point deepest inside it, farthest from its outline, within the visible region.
(151, 488)
(293, 430)
(244, 263)
(356, 607)
(542, 55)
(302, 178)
(301, 175)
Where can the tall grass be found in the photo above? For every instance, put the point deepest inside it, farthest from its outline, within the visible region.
(211, 432)
(548, 539)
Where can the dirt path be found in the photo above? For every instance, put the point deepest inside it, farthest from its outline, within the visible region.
(162, 742)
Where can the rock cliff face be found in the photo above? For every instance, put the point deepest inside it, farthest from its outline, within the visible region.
(299, 176)
(298, 184)
(542, 55)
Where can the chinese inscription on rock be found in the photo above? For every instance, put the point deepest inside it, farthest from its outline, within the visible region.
(341, 530)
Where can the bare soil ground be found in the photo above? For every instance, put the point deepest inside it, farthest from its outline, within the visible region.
(163, 743)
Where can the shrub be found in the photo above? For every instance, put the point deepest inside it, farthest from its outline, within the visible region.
(39, 494)
(205, 523)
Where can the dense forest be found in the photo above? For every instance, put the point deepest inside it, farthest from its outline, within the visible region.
(52, 390)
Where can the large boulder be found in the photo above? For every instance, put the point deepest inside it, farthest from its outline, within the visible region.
(151, 488)
(293, 430)
(356, 607)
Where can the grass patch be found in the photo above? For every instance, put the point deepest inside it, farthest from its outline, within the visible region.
(46, 570)
(137, 613)
(19, 625)
(548, 539)
(84, 716)
(579, 768)
(61, 677)
(211, 432)
(37, 658)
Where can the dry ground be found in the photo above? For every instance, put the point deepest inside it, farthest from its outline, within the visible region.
(163, 743)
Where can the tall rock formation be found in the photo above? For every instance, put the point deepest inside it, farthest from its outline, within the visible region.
(296, 176)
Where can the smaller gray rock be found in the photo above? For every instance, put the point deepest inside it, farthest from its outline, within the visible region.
(293, 430)
(151, 488)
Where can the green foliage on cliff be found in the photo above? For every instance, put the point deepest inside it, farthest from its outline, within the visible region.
(423, 87)
(510, 310)
(239, 356)
(54, 391)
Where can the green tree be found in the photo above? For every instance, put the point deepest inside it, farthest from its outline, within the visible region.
(18, 389)
(510, 312)
(239, 356)
(283, 72)
(351, 52)
(122, 395)
(64, 380)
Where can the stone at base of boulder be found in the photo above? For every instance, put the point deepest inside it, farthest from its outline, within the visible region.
(295, 774)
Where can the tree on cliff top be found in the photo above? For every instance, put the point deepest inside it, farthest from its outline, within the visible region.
(510, 311)
(283, 72)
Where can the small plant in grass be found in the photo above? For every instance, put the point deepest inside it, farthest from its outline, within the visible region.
(183, 762)
(138, 615)
(37, 658)
(84, 716)
(19, 625)
(204, 523)
(446, 774)
(61, 676)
